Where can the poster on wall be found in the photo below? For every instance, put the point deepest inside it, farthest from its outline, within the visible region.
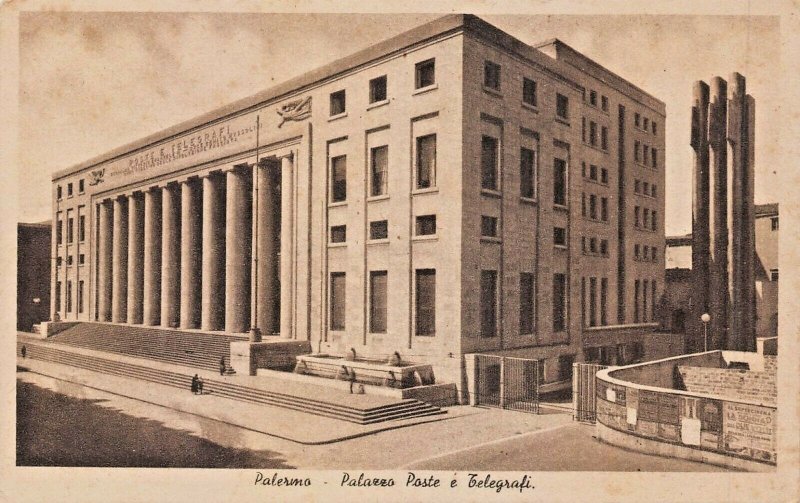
(749, 430)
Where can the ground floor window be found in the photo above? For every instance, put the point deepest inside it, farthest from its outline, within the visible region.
(80, 296)
(377, 301)
(488, 303)
(425, 312)
(337, 300)
(527, 303)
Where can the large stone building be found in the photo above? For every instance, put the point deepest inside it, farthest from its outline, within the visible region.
(451, 190)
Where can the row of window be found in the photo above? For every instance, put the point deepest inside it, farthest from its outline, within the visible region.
(60, 195)
(592, 173)
(621, 354)
(644, 188)
(70, 260)
(645, 252)
(379, 229)
(645, 218)
(589, 246)
(645, 154)
(644, 306)
(592, 100)
(590, 135)
(591, 295)
(590, 210)
(644, 123)
(492, 79)
(68, 297)
(71, 230)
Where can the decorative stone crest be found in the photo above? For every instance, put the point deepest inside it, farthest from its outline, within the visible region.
(296, 110)
(96, 176)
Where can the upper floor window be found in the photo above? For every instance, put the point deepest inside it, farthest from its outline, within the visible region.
(529, 91)
(489, 153)
(604, 103)
(59, 231)
(425, 74)
(560, 182)
(82, 228)
(491, 75)
(426, 161)
(527, 173)
(636, 149)
(58, 192)
(69, 189)
(604, 138)
(593, 98)
(426, 225)
(80, 186)
(637, 120)
(604, 175)
(379, 229)
(654, 157)
(773, 275)
(338, 234)
(593, 133)
(559, 236)
(377, 89)
(379, 170)
(653, 124)
(562, 106)
(337, 300)
(488, 227)
(774, 222)
(339, 179)
(338, 103)
(645, 123)
(70, 229)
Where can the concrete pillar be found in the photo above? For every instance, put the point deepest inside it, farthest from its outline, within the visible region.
(119, 267)
(213, 280)
(170, 255)
(191, 225)
(238, 248)
(152, 257)
(287, 247)
(718, 220)
(104, 261)
(700, 215)
(135, 258)
(268, 289)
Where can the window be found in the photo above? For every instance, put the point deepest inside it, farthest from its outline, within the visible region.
(425, 74)
(637, 120)
(654, 157)
(82, 228)
(491, 75)
(653, 300)
(379, 230)
(377, 301)
(653, 190)
(69, 189)
(646, 188)
(592, 172)
(488, 303)
(637, 186)
(70, 230)
(636, 148)
(645, 252)
(426, 161)
(592, 302)
(636, 219)
(604, 247)
(636, 295)
(339, 179)
(59, 232)
(644, 301)
(377, 89)
(80, 191)
(81, 259)
(593, 98)
(593, 245)
(636, 251)
(654, 253)
(69, 297)
(489, 163)
(773, 275)
(604, 209)
(338, 282)
(527, 309)
(379, 168)
(583, 129)
(604, 138)
(593, 207)
(583, 204)
(603, 301)
(559, 301)
(58, 296)
(488, 227)
(562, 106)
(604, 175)
(338, 103)
(583, 302)
(604, 103)
(58, 192)
(80, 297)
(646, 217)
(593, 133)
(69, 260)
(645, 154)
(583, 169)
(559, 236)
(425, 316)
(529, 91)
(527, 173)
(653, 221)
(59, 261)
(426, 225)
(774, 223)
(560, 182)
(645, 123)
(338, 234)
(654, 126)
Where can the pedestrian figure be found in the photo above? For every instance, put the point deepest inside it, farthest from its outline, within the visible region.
(200, 385)
(222, 366)
(195, 382)
(23, 351)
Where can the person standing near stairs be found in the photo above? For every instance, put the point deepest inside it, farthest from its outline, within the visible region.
(222, 366)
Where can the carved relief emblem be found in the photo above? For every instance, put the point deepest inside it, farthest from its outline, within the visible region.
(296, 110)
(96, 176)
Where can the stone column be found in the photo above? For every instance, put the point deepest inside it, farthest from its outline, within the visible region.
(287, 246)
(700, 215)
(191, 223)
(119, 267)
(170, 255)
(718, 220)
(135, 257)
(268, 243)
(238, 249)
(213, 281)
(104, 261)
(152, 257)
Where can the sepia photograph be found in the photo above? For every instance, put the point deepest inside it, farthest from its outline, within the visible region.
(394, 256)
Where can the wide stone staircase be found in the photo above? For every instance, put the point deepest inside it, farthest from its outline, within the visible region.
(320, 404)
(191, 349)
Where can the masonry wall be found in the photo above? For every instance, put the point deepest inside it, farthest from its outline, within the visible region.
(731, 383)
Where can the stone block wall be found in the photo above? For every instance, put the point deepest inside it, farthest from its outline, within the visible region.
(731, 383)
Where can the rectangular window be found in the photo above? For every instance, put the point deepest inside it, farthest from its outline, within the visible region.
(604, 247)
(559, 302)
(488, 226)
(636, 295)
(80, 297)
(654, 157)
(339, 179)
(583, 244)
(583, 204)
(80, 186)
(426, 225)
(489, 163)
(583, 302)
(636, 218)
(636, 251)
(592, 172)
(338, 234)
(773, 275)
(69, 260)
(338, 282)
(654, 253)
(491, 75)
(592, 302)
(583, 129)
(604, 301)
(559, 236)
(654, 127)
(604, 103)
(593, 207)
(81, 259)
(58, 296)
(644, 301)
(646, 188)
(527, 173)
(425, 74)
(646, 217)
(377, 89)
(488, 303)
(636, 148)
(593, 98)
(560, 182)
(58, 192)
(604, 138)
(59, 232)
(70, 229)
(562, 106)
(59, 261)
(425, 319)
(379, 229)
(653, 300)
(527, 306)
(774, 223)
(426, 161)
(645, 123)
(377, 301)
(593, 133)
(529, 91)
(69, 189)
(69, 297)
(645, 252)
(637, 186)
(653, 190)
(593, 245)
(645, 154)
(653, 221)
(637, 120)
(604, 209)
(379, 170)
(82, 228)
(604, 175)
(338, 103)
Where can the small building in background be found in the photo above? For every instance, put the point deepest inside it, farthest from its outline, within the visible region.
(33, 274)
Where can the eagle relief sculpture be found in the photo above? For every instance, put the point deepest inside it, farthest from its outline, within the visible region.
(96, 176)
(296, 110)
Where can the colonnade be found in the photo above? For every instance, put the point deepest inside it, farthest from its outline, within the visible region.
(183, 254)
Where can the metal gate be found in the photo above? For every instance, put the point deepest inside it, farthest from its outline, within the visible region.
(507, 383)
(584, 401)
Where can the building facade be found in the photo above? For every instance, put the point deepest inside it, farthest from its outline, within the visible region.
(33, 274)
(448, 191)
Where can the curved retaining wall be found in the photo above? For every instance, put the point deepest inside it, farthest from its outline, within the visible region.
(638, 408)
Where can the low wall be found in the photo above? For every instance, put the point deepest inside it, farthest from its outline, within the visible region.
(247, 357)
(51, 328)
(637, 409)
(737, 384)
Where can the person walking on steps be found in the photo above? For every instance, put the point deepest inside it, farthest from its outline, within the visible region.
(222, 366)
(23, 351)
(195, 382)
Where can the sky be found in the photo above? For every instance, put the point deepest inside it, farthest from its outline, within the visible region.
(91, 82)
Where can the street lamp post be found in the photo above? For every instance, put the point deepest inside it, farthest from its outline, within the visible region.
(705, 318)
